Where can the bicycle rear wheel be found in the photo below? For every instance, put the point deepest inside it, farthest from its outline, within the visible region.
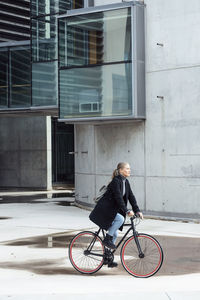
(146, 266)
(86, 252)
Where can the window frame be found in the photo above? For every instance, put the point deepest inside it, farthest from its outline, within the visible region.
(104, 8)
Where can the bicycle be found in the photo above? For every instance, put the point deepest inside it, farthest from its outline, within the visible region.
(141, 254)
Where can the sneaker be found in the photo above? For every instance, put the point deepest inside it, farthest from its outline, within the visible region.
(112, 264)
(108, 242)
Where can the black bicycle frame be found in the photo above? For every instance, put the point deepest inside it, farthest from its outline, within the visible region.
(135, 233)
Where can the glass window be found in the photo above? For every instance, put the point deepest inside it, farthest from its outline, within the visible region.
(96, 91)
(67, 5)
(42, 7)
(44, 39)
(3, 77)
(47, 7)
(95, 38)
(44, 84)
(20, 76)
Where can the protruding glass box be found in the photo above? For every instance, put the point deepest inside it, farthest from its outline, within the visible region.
(101, 63)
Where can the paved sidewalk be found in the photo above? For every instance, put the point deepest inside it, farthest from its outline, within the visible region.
(49, 216)
(29, 269)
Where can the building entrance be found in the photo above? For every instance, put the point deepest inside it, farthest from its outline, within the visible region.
(62, 160)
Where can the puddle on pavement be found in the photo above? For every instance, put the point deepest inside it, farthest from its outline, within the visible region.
(181, 256)
(65, 203)
(44, 242)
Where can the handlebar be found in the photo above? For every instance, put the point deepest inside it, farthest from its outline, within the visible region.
(135, 216)
(132, 219)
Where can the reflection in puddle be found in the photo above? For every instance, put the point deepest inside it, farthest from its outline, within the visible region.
(44, 241)
(35, 199)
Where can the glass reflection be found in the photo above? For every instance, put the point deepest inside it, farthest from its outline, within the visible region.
(44, 39)
(20, 76)
(3, 77)
(45, 7)
(96, 91)
(44, 84)
(95, 38)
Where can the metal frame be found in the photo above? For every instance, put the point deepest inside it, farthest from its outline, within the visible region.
(14, 43)
(88, 10)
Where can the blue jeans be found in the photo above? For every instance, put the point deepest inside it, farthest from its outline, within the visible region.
(116, 224)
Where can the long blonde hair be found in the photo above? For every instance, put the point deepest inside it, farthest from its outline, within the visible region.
(120, 165)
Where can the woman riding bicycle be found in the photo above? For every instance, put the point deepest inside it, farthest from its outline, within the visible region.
(111, 209)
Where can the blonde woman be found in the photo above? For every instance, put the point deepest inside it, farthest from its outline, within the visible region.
(111, 210)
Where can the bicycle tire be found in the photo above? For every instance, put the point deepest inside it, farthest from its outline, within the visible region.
(80, 258)
(149, 264)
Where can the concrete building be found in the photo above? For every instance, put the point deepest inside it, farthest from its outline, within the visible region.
(127, 97)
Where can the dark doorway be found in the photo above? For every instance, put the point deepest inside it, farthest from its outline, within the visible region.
(62, 160)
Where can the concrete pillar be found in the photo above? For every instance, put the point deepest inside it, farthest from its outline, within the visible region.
(25, 152)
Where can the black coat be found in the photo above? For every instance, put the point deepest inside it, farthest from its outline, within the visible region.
(113, 202)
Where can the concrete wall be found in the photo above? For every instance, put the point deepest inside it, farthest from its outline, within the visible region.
(172, 124)
(164, 151)
(99, 148)
(25, 152)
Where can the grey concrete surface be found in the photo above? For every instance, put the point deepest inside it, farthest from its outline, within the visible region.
(25, 152)
(32, 268)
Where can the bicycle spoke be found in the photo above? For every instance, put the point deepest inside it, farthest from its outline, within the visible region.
(146, 266)
(83, 250)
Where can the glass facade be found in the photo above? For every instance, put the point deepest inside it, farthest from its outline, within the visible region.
(3, 78)
(44, 48)
(99, 91)
(47, 7)
(95, 64)
(97, 38)
(92, 58)
(15, 77)
(20, 77)
(44, 39)
(44, 84)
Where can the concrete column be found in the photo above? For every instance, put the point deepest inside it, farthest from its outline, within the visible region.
(49, 152)
(25, 152)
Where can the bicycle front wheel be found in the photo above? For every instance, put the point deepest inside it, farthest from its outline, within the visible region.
(86, 252)
(145, 265)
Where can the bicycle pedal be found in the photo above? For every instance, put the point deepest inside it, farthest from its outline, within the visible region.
(112, 265)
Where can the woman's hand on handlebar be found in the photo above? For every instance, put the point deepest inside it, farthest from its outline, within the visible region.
(131, 213)
(140, 215)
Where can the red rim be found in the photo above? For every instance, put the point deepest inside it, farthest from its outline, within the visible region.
(157, 267)
(74, 264)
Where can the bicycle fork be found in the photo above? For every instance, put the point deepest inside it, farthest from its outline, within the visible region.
(135, 234)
